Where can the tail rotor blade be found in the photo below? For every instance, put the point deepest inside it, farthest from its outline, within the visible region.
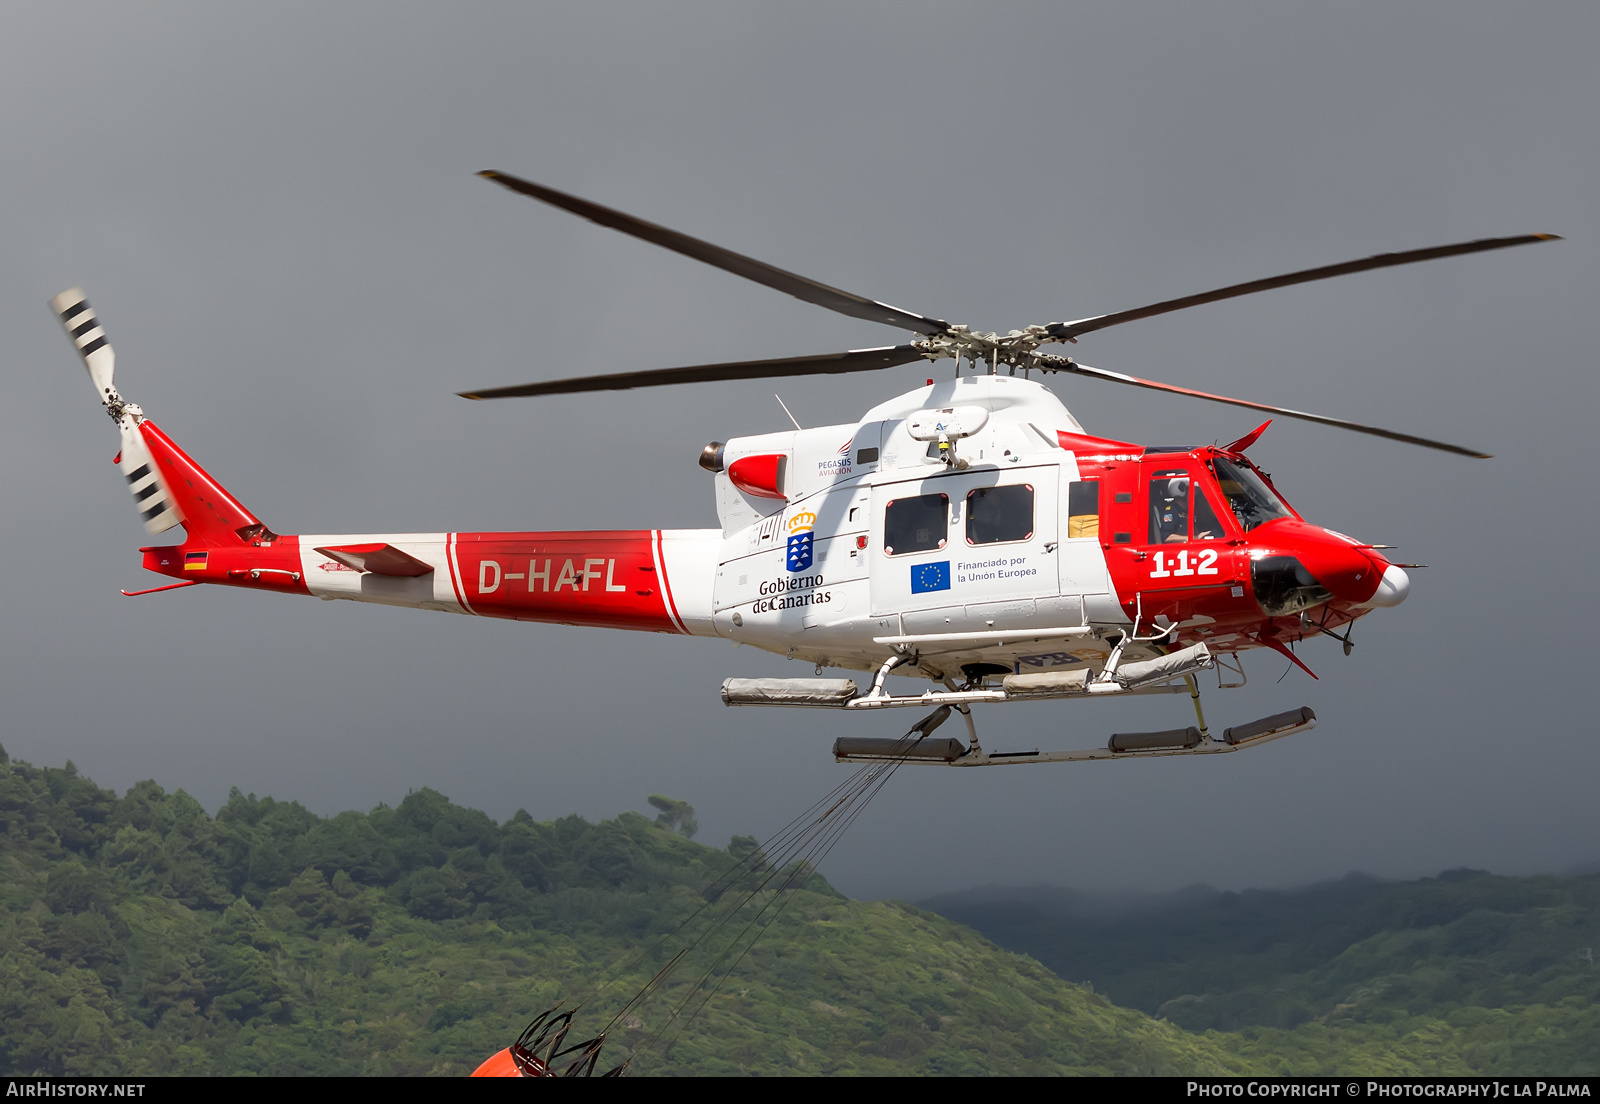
(152, 496)
(89, 337)
(158, 510)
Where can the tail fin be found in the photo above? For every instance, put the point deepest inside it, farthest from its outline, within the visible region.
(204, 506)
(168, 487)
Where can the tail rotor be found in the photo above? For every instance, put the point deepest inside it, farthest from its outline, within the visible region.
(151, 496)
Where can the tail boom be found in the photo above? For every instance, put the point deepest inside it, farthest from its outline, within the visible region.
(641, 579)
(648, 580)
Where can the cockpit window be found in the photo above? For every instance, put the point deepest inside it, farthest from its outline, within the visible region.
(1206, 524)
(1253, 502)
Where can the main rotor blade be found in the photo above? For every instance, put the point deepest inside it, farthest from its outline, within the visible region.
(1063, 331)
(856, 360)
(845, 302)
(1118, 377)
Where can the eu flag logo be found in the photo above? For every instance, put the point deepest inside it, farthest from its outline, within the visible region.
(800, 551)
(930, 576)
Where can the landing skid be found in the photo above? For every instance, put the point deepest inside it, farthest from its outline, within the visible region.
(1154, 676)
(918, 745)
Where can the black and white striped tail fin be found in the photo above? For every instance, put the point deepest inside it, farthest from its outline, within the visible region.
(72, 307)
(151, 495)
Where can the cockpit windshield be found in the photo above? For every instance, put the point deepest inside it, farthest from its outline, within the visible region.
(1253, 502)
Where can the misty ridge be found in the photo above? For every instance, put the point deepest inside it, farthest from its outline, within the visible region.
(147, 936)
(1357, 950)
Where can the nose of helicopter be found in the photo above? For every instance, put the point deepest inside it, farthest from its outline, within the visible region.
(1392, 588)
(1337, 563)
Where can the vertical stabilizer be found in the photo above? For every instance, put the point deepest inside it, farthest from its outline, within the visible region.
(169, 488)
(206, 508)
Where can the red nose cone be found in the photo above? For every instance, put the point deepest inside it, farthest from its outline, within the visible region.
(1336, 562)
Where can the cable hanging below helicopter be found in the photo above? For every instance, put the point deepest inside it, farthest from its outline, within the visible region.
(746, 899)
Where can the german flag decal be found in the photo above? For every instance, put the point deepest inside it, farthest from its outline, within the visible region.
(194, 561)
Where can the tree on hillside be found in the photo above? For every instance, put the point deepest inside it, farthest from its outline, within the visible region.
(675, 815)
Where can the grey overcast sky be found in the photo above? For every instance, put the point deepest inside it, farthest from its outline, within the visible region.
(273, 209)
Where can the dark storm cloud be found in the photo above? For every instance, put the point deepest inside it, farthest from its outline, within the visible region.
(274, 214)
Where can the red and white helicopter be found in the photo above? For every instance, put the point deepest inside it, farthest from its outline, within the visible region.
(968, 533)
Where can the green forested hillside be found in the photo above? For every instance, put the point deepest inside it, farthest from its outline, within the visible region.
(1464, 972)
(138, 934)
(141, 935)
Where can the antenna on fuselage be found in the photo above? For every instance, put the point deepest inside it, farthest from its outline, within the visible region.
(785, 406)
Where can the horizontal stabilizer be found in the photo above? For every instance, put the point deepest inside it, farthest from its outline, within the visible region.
(379, 559)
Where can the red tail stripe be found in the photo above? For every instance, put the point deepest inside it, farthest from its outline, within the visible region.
(666, 583)
(455, 571)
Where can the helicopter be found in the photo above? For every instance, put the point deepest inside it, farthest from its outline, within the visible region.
(969, 532)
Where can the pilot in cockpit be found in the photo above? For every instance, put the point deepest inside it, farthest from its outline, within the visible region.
(1169, 510)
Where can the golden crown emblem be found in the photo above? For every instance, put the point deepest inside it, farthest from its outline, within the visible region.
(805, 519)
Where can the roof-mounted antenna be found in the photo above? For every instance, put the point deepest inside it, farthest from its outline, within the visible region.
(786, 410)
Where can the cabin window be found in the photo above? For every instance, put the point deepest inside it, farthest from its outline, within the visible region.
(1252, 501)
(866, 456)
(1083, 509)
(999, 514)
(1169, 507)
(919, 524)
